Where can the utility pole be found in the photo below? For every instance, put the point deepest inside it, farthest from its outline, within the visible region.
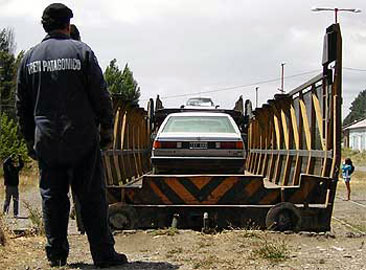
(256, 97)
(336, 10)
(282, 90)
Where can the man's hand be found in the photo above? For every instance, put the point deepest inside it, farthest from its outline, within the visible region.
(106, 138)
(31, 151)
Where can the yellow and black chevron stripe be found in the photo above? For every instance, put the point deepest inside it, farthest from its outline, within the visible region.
(223, 190)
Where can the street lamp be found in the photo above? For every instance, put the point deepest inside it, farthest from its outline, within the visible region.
(282, 90)
(336, 10)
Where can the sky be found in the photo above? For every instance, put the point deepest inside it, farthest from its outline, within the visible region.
(183, 48)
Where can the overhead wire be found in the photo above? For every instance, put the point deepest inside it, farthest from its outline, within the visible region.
(240, 86)
(354, 69)
(253, 84)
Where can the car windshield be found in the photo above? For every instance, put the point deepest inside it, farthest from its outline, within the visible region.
(202, 102)
(198, 124)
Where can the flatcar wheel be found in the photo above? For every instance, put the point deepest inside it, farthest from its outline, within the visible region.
(282, 217)
(122, 217)
(284, 221)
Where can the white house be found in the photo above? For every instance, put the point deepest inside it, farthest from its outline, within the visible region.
(355, 136)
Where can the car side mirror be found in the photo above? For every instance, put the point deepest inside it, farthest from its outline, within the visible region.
(182, 106)
(217, 106)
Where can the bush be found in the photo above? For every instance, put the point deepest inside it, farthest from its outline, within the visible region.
(10, 141)
(272, 250)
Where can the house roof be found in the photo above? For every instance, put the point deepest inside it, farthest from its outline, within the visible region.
(359, 124)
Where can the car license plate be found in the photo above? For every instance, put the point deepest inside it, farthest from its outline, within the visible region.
(198, 145)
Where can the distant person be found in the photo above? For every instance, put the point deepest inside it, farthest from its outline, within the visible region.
(11, 182)
(347, 170)
(76, 208)
(66, 117)
(74, 32)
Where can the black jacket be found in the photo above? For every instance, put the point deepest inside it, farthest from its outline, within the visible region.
(61, 99)
(11, 173)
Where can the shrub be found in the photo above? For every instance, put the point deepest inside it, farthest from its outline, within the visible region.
(10, 141)
(35, 216)
(274, 251)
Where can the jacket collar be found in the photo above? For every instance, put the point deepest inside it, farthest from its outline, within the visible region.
(56, 35)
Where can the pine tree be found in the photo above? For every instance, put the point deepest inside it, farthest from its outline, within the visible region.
(121, 83)
(358, 109)
(10, 143)
(8, 71)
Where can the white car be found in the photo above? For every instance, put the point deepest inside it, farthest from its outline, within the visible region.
(200, 103)
(198, 142)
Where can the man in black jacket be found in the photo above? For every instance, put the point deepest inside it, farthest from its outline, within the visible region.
(65, 115)
(11, 183)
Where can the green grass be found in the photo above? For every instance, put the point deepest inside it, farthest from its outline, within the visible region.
(272, 250)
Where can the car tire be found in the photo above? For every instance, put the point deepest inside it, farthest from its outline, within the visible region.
(283, 217)
(122, 217)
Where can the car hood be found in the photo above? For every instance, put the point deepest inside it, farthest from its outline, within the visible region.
(199, 136)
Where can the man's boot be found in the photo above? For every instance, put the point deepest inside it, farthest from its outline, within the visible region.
(112, 260)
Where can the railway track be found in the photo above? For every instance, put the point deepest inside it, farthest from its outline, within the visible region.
(352, 201)
(352, 204)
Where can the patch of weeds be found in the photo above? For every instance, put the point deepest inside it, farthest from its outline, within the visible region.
(207, 262)
(35, 216)
(174, 251)
(247, 236)
(204, 243)
(251, 233)
(272, 250)
(169, 231)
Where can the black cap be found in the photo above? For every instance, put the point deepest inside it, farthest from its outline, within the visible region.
(58, 12)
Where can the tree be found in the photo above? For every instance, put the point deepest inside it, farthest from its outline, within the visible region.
(8, 70)
(10, 142)
(122, 83)
(358, 109)
(7, 43)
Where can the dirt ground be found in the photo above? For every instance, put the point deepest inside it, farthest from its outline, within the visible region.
(343, 248)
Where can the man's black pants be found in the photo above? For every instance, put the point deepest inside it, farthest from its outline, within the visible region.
(11, 191)
(87, 181)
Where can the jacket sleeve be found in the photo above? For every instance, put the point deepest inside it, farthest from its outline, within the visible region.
(24, 104)
(7, 161)
(21, 164)
(98, 93)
